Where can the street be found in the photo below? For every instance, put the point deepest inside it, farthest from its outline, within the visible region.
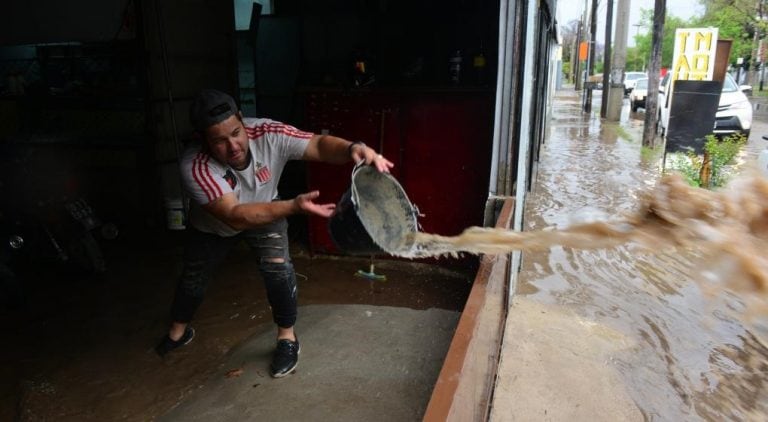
(755, 143)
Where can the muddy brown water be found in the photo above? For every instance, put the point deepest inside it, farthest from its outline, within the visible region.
(732, 222)
(679, 272)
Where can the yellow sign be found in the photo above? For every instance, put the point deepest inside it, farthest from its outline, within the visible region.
(694, 57)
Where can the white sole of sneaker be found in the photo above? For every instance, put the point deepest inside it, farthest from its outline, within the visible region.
(293, 368)
(190, 337)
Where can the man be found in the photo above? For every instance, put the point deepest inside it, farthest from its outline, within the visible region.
(232, 180)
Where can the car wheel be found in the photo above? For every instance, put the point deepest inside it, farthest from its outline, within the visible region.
(746, 133)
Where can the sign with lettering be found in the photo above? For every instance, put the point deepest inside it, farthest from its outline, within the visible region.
(693, 96)
(694, 57)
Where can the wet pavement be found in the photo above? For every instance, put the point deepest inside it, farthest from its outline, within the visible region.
(620, 333)
(358, 363)
(82, 350)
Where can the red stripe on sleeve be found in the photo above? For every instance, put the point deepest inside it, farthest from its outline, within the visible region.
(195, 167)
(210, 178)
(259, 131)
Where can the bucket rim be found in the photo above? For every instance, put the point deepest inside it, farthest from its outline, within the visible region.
(412, 210)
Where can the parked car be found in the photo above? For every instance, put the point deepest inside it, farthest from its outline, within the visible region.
(630, 78)
(637, 96)
(734, 112)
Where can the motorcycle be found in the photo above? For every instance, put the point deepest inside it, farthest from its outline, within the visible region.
(42, 226)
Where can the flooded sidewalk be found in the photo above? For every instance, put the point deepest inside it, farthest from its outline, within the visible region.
(619, 333)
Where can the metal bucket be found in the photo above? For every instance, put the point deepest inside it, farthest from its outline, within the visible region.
(374, 216)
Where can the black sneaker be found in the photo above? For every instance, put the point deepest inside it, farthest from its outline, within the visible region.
(285, 359)
(166, 344)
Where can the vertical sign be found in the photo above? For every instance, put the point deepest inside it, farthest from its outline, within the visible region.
(693, 97)
(694, 57)
(583, 50)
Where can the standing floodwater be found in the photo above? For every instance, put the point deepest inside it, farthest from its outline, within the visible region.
(619, 333)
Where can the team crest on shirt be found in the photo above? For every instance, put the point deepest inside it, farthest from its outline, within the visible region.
(231, 179)
(262, 173)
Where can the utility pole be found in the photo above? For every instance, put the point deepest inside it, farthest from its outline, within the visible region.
(618, 63)
(574, 52)
(607, 56)
(634, 56)
(652, 100)
(577, 60)
(582, 35)
(591, 61)
(760, 42)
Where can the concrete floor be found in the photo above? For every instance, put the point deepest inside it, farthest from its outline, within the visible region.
(357, 363)
(82, 349)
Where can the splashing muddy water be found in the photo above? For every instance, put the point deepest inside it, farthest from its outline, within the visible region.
(640, 299)
(673, 214)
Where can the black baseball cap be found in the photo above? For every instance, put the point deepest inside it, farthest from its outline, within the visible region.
(210, 107)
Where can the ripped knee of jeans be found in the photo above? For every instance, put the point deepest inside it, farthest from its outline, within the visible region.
(275, 265)
(279, 278)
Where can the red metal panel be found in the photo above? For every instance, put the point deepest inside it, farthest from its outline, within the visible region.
(447, 159)
(440, 144)
(356, 116)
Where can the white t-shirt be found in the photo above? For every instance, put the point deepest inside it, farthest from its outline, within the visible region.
(272, 144)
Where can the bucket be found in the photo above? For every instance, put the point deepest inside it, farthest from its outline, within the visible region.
(374, 215)
(174, 208)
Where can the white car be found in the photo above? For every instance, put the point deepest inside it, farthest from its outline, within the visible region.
(734, 112)
(637, 96)
(630, 78)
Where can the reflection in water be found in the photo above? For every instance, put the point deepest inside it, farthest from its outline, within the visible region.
(687, 352)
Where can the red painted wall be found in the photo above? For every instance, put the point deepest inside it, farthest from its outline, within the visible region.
(440, 142)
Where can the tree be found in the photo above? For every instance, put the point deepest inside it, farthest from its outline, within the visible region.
(736, 20)
(643, 41)
(636, 59)
(569, 33)
(651, 116)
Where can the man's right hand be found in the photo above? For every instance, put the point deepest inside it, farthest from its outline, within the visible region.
(305, 203)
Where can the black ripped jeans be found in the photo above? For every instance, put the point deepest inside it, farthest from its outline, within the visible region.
(204, 252)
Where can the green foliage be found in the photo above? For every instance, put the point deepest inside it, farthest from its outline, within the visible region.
(623, 134)
(735, 20)
(648, 154)
(636, 59)
(643, 41)
(721, 153)
(599, 66)
(689, 167)
(567, 69)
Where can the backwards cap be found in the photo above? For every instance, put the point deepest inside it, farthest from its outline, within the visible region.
(210, 107)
